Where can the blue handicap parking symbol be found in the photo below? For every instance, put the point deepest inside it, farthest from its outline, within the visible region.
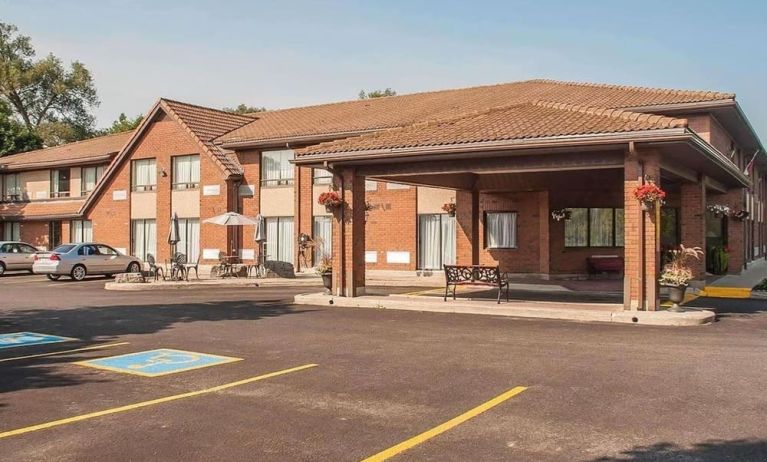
(154, 363)
(18, 339)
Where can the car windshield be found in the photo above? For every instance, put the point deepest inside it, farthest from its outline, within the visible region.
(64, 248)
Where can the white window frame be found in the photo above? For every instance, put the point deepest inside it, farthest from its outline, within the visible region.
(151, 183)
(55, 180)
(490, 218)
(11, 193)
(11, 231)
(321, 176)
(82, 227)
(192, 180)
(282, 176)
(98, 172)
(148, 245)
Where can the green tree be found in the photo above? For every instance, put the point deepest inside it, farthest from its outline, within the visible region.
(14, 136)
(376, 93)
(122, 124)
(244, 109)
(45, 95)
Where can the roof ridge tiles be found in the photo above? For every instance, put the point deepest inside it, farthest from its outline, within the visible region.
(653, 119)
(248, 117)
(662, 91)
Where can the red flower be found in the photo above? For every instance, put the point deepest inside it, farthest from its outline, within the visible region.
(330, 198)
(649, 192)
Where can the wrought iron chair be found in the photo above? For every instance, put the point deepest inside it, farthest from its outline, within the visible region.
(177, 270)
(192, 266)
(154, 270)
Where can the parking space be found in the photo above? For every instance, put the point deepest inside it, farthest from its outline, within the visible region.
(240, 374)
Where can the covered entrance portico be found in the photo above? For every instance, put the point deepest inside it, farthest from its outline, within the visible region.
(507, 189)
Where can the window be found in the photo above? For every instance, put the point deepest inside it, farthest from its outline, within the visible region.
(89, 178)
(11, 187)
(54, 234)
(276, 169)
(500, 230)
(594, 227)
(371, 185)
(106, 250)
(144, 175)
(669, 227)
(436, 241)
(322, 229)
(82, 231)
(397, 186)
(60, 182)
(279, 239)
(143, 238)
(186, 172)
(189, 238)
(322, 176)
(11, 231)
(87, 250)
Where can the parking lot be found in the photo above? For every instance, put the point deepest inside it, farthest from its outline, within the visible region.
(240, 374)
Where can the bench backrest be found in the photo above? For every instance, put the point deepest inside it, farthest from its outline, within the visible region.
(484, 274)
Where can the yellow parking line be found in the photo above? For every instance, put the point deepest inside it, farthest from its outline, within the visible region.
(418, 439)
(130, 407)
(95, 347)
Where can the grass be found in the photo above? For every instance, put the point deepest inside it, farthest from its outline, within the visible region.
(762, 285)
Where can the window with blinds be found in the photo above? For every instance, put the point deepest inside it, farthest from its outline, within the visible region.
(186, 172)
(143, 175)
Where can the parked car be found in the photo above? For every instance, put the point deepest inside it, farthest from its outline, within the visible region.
(16, 256)
(80, 260)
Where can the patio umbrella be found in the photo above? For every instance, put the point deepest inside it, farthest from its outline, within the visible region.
(231, 219)
(260, 236)
(174, 234)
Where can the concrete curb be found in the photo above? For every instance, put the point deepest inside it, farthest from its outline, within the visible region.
(559, 311)
(214, 283)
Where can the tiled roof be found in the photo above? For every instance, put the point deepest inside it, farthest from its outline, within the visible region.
(80, 151)
(207, 124)
(397, 111)
(539, 119)
(40, 209)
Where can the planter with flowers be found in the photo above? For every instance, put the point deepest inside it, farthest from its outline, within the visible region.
(325, 270)
(331, 200)
(649, 194)
(449, 207)
(741, 215)
(676, 274)
(561, 214)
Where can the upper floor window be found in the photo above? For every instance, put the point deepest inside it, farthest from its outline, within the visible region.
(276, 168)
(186, 172)
(89, 178)
(144, 175)
(11, 187)
(60, 182)
(322, 176)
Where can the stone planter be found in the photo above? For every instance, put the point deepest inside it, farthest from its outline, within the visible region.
(327, 281)
(675, 295)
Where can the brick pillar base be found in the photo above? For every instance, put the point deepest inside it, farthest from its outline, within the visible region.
(349, 235)
(693, 222)
(642, 262)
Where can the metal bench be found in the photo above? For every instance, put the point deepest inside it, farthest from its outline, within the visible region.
(475, 275)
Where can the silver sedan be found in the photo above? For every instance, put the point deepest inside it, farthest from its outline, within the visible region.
(80, 260)
(16, 256)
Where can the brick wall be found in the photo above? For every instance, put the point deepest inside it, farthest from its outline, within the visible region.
(693, 222)
(34, 232)
(392, 226)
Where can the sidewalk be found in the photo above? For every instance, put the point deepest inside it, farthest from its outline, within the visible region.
(736, 285)
(299, 280)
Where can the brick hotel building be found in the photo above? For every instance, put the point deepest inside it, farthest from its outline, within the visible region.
(507, 155)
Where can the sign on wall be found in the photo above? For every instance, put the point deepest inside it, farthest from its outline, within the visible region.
(247, 190)
(371, 256)
(211, 190)
(119, 195)
(398, 257)
(210, 254)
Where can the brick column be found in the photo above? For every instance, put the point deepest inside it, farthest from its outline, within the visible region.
(467, 231)
(642, 262)
(349, 235)
(544, 244)
(735, 230)
(303, 214)
(693, 222)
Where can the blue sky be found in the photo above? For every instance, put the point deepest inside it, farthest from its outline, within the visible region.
(291, 53)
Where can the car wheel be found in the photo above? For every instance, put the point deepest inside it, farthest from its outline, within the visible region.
(78, 273)
(2, 269)
(53, 277)
(134, 267)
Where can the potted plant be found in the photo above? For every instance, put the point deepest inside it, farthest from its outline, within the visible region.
(330, 199)
(561, 214)
(325, 269)
(720, 260)
(649, 194)
(677, 274)
(449, 207)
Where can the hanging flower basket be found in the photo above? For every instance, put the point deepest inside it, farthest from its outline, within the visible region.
(649, 194)
(449, 207)
(561, 214)
(741, 215)
(720, 210)
(331, 200)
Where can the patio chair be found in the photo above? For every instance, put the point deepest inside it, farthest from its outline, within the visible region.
(177, 271)
(154, 270)
(192, 266)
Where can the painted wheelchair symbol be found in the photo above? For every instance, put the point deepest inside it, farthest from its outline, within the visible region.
(15, 339)
(166, 357)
